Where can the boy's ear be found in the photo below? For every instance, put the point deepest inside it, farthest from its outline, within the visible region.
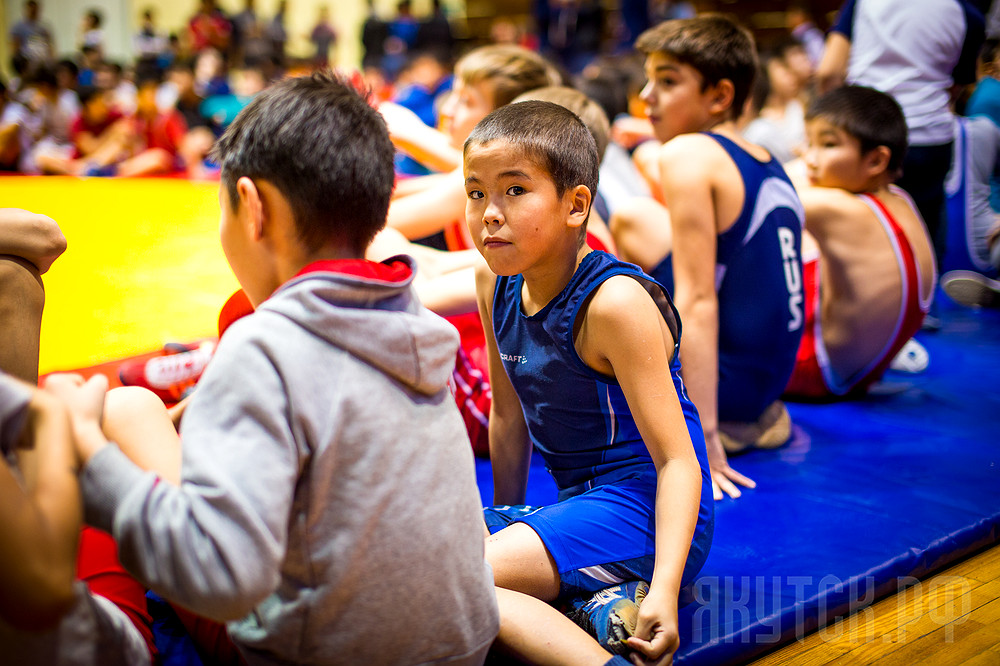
(876, 160)
(251, 203)
(580, 200)
(721, 97)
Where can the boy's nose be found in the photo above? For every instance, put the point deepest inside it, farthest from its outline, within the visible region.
(492, 215)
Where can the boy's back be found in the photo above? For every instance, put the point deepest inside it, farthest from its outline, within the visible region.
(758, 219)
(865, 298)
(385, 513)
(323, 442)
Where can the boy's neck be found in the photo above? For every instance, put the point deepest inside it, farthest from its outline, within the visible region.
(545, 283)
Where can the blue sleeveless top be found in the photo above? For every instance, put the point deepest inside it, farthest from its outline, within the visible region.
(577, 418)
(758, 278)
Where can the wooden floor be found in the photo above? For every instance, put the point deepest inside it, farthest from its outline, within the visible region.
(949, 619)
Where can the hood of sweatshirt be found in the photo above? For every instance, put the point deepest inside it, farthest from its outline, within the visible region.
(377, 319)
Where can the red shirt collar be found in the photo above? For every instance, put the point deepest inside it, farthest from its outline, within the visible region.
(391, 270)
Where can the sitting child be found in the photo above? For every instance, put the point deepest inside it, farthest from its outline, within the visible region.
(727, 244)
(583, 361)
(325, 503)
(873, 282)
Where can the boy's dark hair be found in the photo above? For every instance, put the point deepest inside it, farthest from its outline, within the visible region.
(989, 50)
(40, 74)
(871, 116)
(714, 45)
(87, 93)
(324, 147)
(95, 17)
(549, 133)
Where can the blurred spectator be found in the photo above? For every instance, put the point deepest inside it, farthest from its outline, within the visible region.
(402, 36)
(570, 31)
(277, 34)
(90, 62)
(110, 76)
(209, 74)
(91, 33)
(209, 28)
(249, 43)
(323, 37)
(66, 81)
(777, 117)
(31, 39)
(667, 10)
(149, 44)
(222, 109)
(374, 33)
(800, 21)
(434, 33)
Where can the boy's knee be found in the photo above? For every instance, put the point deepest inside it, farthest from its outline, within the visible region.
(130, 403)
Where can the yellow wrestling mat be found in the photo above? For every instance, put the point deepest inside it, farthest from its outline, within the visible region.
(143, 264)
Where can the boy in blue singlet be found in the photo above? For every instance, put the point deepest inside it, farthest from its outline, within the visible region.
(727, 244)
(583, 359)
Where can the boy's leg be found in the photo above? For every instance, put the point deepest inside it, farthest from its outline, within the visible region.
(642, 233)
(150, 161)
(22, 298)
(138, 422)
(526, 578)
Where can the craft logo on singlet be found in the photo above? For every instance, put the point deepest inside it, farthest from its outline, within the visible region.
(513, 359)
(793, 276)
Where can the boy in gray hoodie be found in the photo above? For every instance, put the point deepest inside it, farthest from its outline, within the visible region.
(321, 498)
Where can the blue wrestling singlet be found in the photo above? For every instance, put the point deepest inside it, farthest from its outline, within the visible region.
(601, 532)
(758, 279)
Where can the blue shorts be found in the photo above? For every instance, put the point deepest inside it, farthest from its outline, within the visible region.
(599, 538)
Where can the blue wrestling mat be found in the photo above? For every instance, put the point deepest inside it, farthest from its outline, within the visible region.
(869, 496)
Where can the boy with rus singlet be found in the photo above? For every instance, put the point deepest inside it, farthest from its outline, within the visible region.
(583, 359)
(325, 466)
(873, 282)
(726, 245)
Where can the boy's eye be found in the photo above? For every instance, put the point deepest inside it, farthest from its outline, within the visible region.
(515, 190)
(475, 194)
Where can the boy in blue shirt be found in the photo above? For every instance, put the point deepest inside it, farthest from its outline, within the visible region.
(727, 245)
(583, 358)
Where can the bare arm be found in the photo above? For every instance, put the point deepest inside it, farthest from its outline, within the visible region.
(407, 186)
(831, 72)
(41, 521)
(625, 335)
(427, 212)
(510, 446)
(33, 237)
(687, 187)
(426, 145)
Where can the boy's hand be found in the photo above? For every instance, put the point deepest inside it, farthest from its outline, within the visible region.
(724, 477)
(656, 635)
(85, 401)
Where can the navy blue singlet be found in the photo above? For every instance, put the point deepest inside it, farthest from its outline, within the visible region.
(758, 278)
(578, 418)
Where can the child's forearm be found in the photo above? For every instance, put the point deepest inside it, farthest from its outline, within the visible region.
(510, 455)
(42, 523)
(678, 497)
(699, 349)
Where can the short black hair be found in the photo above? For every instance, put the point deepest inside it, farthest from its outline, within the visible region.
(87, 93)
(319, 141)
(549, 133)
(988, 51)
(873, 117)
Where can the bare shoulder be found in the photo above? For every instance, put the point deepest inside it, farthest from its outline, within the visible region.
(691, 151)
(830, 206)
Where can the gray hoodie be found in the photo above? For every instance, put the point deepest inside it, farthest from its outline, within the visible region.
(328, 508)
